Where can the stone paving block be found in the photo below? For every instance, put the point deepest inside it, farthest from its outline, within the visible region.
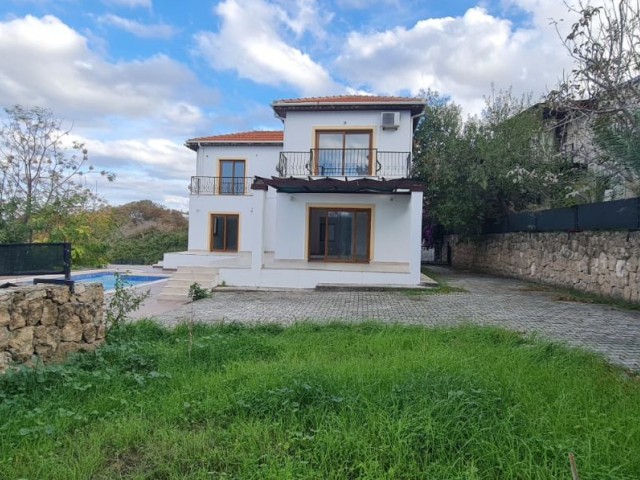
(490, 300)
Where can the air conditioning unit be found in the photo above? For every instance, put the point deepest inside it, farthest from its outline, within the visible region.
(390, 120)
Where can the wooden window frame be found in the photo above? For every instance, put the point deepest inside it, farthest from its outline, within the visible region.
(327, 229)
(344, 132)
(224, 240)
(234, 161)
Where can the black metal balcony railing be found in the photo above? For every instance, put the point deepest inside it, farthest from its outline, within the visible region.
(220, 185)
(347, 162)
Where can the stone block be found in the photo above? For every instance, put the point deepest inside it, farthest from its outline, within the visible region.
(32, 311)
(66, 313)
(4, 338)
(49, 313)
(47, 335)
(621, 270)
(89, 332)
(18, 319)
(5, 314)
(60, 294)
(21, 343)
(35, 293)
(72, 330)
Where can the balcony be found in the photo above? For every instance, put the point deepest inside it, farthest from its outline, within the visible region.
(344, 162)
(220, 185)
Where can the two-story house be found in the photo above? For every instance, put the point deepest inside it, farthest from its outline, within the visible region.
(328, 200)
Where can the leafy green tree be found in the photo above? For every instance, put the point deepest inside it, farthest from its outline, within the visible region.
(37, 172)
(482, 168)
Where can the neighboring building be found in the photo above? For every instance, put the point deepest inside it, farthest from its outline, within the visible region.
(329, 200)
(570, 132)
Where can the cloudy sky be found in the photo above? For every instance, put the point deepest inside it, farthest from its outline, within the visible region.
(138, 77)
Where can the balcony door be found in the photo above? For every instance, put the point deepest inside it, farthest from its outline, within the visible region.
(343, 153)
(339, 234)
(232, 173)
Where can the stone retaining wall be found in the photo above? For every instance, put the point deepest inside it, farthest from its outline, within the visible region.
(46, 322)
(604, 263)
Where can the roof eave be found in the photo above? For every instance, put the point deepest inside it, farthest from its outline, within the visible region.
(281, 108)
(196, 144)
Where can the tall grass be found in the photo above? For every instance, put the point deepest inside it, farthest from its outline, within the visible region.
(322, 401)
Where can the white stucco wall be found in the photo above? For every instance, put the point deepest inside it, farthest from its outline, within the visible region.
(201, 208)
(301, 278)
(299, 133)
(259, 160)
(390, 223)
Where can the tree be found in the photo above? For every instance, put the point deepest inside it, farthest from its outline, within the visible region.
(36, 172)
(485, 167)
(601, 94)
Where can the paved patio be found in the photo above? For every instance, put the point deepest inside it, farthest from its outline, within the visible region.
(490, 301)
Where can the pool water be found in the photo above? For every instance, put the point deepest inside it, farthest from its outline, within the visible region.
(108, 279)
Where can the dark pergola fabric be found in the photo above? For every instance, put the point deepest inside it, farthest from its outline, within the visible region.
(335, 185)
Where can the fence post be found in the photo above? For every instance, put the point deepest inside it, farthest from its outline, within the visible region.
(67, 260)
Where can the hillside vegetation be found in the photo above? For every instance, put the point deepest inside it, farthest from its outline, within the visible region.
(144, 232)
(135, 233)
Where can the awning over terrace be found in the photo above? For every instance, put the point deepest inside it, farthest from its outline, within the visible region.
(335, 185)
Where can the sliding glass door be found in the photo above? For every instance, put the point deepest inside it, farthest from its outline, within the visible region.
(339, 235)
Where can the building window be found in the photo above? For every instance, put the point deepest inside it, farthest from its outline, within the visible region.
(232, 177)
(224, 232)
(343, 153)
(339, 234)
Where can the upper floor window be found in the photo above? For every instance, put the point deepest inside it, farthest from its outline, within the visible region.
(343, 153)
(232, 177)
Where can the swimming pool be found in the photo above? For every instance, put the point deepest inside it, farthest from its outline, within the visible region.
(108, 279)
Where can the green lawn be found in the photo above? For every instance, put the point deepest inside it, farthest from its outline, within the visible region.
(333, 401)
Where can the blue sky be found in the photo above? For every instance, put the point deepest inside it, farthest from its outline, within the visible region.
(138, 77)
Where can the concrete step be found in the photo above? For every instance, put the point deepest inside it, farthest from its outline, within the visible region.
(177, 287)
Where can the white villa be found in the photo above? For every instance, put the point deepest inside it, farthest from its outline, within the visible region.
(328, 200)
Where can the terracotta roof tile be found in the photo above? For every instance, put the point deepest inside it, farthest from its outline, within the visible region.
(257, 136)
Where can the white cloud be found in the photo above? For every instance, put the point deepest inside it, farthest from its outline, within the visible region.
(130, 3)
(156, 100)
(459, 56)
(159, 30)
(250, 43)
(362, 4)
(155, 168)
(47, 63)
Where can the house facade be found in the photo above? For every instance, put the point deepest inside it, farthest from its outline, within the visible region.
(328, 200)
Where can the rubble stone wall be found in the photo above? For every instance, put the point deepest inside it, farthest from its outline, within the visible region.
(46, 322)
(604, 263)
